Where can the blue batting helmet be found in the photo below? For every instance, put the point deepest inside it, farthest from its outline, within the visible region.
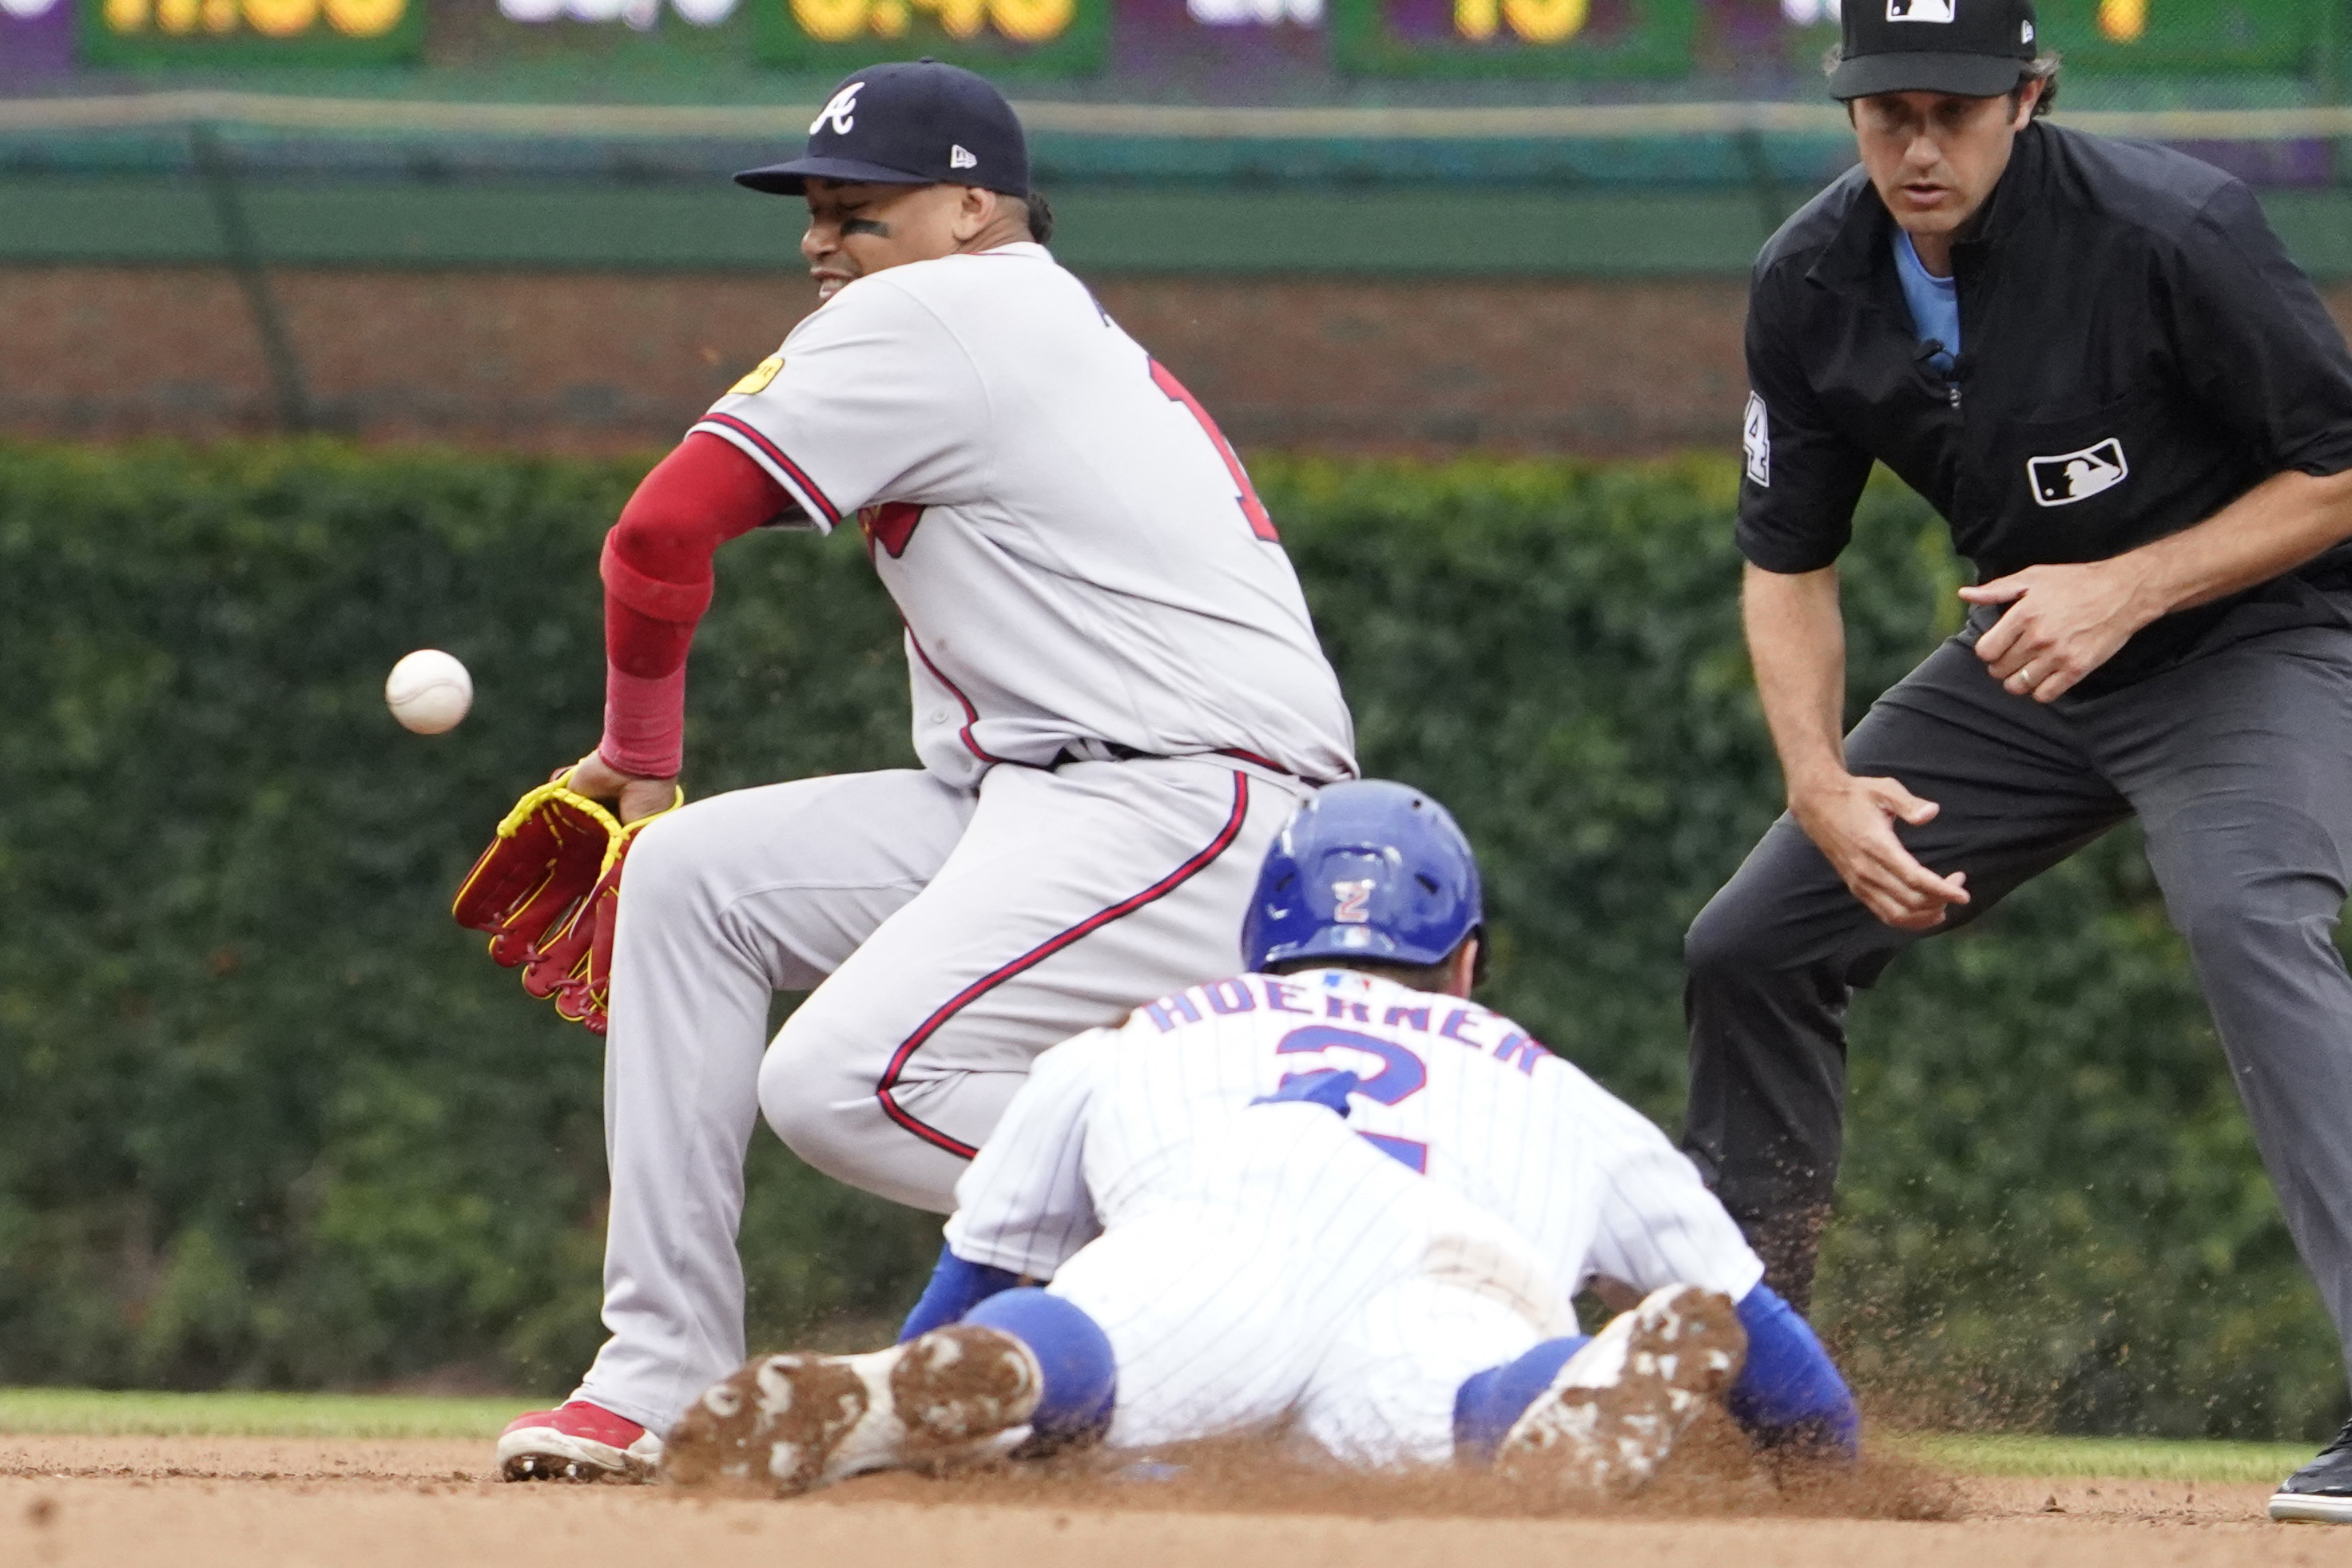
(1364, 870)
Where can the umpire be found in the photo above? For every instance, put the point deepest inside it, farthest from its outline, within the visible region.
(2097, 361)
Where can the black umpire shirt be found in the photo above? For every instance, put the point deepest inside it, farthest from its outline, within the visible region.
(2137, 352)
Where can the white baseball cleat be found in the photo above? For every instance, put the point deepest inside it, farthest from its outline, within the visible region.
(2320, 1492)
(784, 1425)
(2310, 1508)
(1619, 1405)
(580, 1442)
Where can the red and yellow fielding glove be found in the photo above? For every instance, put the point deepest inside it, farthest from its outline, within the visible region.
(547, 890)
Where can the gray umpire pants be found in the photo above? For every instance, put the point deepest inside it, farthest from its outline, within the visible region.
(2239, 766)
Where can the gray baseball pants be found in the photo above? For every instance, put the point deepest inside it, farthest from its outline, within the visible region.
(2239, 766)
(945, 937)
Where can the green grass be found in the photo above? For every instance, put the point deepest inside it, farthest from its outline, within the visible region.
(91, 1413)
(2120, 1458)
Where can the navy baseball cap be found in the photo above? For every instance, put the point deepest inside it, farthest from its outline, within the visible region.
(908, 122)
(1976, 49)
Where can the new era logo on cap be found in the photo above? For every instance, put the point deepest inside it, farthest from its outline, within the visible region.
(960, 158)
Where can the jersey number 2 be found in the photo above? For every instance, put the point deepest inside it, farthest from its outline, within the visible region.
(1252, 508)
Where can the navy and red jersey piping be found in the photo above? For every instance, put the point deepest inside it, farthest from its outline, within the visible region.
(1201, 861)
(1268, 763)
(971, 714)
(794, 475)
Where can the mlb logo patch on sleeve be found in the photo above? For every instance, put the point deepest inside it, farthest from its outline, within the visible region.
(2072, 477)
(1756, 441)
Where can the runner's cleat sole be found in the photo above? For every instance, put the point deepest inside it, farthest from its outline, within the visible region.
(1620, 1403)
(783, 1425)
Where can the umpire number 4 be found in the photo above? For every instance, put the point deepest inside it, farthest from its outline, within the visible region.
(1252, 508)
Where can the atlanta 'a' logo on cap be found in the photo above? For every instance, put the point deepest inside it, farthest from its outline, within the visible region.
(840, 109)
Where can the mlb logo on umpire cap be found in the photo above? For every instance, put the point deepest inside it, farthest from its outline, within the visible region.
(908, 122)
(1973, 49)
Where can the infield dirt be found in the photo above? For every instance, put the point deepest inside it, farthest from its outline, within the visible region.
(256, 1502)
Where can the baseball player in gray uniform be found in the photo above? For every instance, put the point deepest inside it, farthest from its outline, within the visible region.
(1117, 694)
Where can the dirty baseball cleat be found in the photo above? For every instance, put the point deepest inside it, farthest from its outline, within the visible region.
(1619, 1405)
(783, 1425)
(580, 1442)
(2320, 1492)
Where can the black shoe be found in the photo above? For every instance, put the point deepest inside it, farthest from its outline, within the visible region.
(2320, 1492)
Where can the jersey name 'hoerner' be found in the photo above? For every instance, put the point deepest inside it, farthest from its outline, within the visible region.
(1078, 558)
(1446, 1087)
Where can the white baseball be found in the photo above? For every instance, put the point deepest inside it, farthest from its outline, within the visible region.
(428, 692)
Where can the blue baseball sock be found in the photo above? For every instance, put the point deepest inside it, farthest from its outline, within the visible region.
(1081, 1377)
(1488, 1402)
(1790, 1393)
(957, 1286)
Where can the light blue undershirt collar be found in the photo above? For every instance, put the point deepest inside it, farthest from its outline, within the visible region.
(1935, 302)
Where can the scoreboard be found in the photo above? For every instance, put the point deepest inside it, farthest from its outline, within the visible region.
(1529, 38)
(2147, 37)
(1254, 48)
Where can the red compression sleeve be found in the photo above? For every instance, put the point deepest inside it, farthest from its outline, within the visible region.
(658, 583)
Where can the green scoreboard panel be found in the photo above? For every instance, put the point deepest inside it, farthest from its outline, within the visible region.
(2138, 37)
(1513, 37)
(249, 32)
(2189, 38)
(1041, 37)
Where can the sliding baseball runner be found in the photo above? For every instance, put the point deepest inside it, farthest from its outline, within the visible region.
(1333, 1193)
(1117, 695)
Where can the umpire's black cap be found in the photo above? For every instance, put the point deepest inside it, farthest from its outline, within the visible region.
(1977, 48)
(908, 122)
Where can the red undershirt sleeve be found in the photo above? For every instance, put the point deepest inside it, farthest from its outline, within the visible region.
(658, 583)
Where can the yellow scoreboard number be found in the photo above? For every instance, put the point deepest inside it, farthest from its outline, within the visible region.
(1513, 37)
(2123, 21)
(1053, 38)
(270, 18)
(1535, 21)
(1024, 21)
(250, 32)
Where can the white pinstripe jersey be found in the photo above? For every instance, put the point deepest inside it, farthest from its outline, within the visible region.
(1078, 556)
(1448, 1087)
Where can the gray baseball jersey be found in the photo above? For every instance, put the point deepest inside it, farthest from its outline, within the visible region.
(1080, 559)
